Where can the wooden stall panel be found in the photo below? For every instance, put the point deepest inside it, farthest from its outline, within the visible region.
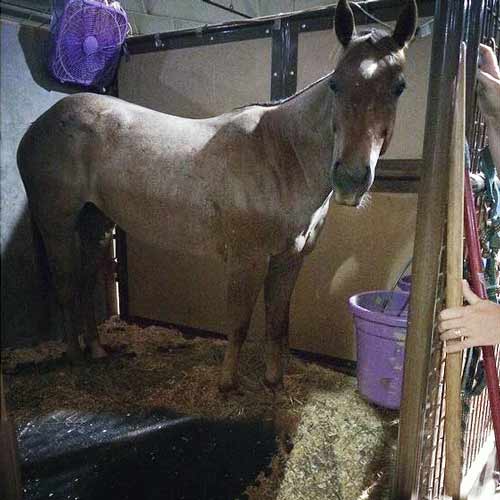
(201, 81)
(193, 82)
(359, 250)
(175, 288)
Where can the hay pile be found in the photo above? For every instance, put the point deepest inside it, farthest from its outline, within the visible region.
(331, 443)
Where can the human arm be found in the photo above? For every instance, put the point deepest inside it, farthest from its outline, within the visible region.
(488, 92)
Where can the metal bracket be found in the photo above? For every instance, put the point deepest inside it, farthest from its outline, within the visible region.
(158, 42)
(285, 35)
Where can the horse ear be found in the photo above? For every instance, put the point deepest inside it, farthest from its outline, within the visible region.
(406, 25)
(344, 22)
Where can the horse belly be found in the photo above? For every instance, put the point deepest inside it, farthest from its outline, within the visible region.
(162, 202)
(167, 223)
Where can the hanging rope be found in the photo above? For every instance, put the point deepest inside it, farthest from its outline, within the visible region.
(424, 30)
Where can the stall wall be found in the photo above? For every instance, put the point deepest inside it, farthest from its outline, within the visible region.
(29, 312)
(25, 93)
(153, 16)
(359, 249)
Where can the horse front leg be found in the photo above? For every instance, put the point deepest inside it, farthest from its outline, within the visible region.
(279, 285)
(245, 281)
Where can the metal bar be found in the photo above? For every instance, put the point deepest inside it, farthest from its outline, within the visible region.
(31, 15)
(145, 44)
(429, 235)
(308, 20)
(473, 38)
(277, 57)
(477, 285)
(109, 281)
(485, 414)
(291, 41)
(439, 481)
(228, 9)
(284, 59)
(122, 272)
(454, 270)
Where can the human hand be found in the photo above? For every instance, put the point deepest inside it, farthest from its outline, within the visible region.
(477, 324)
(488, 62)
(488, 85)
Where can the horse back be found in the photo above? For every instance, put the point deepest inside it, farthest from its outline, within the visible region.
(228, 179)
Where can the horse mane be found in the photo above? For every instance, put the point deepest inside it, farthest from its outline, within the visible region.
(375, 36)
(270, 104)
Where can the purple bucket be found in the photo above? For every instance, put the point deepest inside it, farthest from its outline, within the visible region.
(380, 320)
(404, 284)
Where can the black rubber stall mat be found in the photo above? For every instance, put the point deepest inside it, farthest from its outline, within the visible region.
(70, 455)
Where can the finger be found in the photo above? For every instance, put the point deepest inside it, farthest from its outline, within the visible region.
(454, 334)
(451, 324)
(487, 60)
(485, 79)
(485, 49)
(469, 295)
(456, 346)
(451, 313)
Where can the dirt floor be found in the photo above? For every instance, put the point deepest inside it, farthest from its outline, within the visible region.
(331, 443)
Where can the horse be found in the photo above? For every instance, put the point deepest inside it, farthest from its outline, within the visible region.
(252, 186)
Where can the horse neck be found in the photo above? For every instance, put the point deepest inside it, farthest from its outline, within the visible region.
(305, 124)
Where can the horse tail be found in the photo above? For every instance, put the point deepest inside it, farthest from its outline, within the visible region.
(26, 163)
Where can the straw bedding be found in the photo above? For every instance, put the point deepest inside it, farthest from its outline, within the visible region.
(331, 443)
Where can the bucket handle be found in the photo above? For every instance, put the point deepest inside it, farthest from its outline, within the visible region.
(386, 302)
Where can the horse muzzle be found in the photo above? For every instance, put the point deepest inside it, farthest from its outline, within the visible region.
(347, 200)
(350, 184)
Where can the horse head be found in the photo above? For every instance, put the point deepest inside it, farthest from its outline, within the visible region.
(366, 86)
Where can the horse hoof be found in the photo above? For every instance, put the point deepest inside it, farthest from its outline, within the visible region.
(75, 356)
(274, 385)
(97, 351)
(228, 386)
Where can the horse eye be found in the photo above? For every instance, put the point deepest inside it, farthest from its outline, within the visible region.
(399, 88)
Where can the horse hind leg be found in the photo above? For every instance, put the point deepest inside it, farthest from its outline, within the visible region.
(96, 233)
(63, 255)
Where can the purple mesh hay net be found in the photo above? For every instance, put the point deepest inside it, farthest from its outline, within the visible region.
(87, 38)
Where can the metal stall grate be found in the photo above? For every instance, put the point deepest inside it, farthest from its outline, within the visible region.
(484, 26)
(433, 434)
(420, 462)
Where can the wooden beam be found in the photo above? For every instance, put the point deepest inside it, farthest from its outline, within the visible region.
(429, 237)
(454, 272)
